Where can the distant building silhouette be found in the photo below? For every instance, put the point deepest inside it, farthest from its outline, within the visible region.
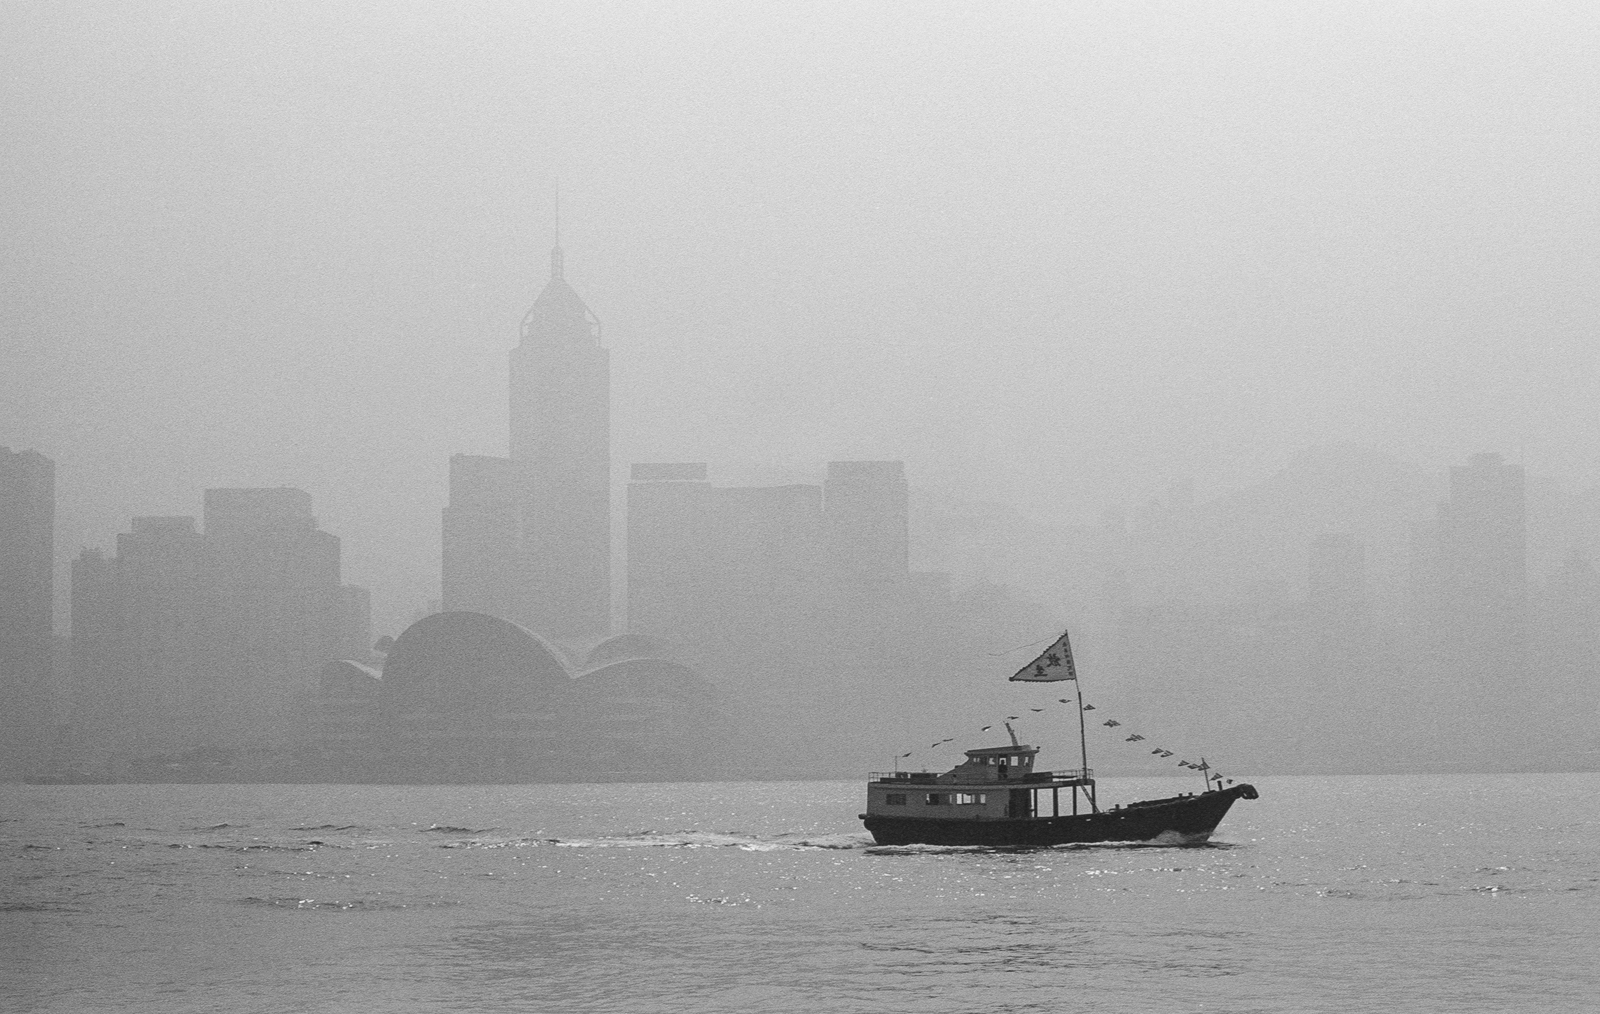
(276, 576)
(188, 634)
(1471, 615)
(27, 533)
(485, 568)
(737, 566)
(561, 431)
(780, 586)
(355, 625)
(672, 551)
(1482, 573)
(142, 650)
(866, 509)
(528, 538)
(1336, 592)
(1567, 648)
(469, 697)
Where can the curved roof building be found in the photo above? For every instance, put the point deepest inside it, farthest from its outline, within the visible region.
(462, 664)
(347, 679)
(644, 681)
(625, 646)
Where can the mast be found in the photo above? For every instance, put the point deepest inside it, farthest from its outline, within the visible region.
(1083, 737)
(1083, 750)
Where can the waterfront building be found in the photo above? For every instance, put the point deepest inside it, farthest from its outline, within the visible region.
(528, 537)
(561, 436)
(27, 534)
(192, 634)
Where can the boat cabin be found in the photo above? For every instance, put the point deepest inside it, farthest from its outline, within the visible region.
(997, 763)
(993, 783)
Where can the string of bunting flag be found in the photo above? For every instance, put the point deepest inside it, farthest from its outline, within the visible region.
(1055, 664)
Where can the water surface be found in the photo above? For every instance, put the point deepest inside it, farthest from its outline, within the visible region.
(1423, 894)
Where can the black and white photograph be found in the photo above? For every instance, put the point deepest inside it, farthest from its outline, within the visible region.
(651, 506)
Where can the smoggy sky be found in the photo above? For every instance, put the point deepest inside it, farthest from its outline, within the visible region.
(1056, 255)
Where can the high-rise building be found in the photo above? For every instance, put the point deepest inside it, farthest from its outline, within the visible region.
(275, 576)
(485, 569)
(1470, 588)
(561, 435)
(355, 627)
(528, 538)
(186, 634)
(1336, 590)
(672, 551)
(141, 626)
(1482, 560)
(27, 533)
(731, 565)
(865, 505)
(776, 580)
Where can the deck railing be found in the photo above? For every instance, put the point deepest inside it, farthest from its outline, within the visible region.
(1035, 779)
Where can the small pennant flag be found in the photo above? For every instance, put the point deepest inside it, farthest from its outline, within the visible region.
(1111, 723)
(1052, 665)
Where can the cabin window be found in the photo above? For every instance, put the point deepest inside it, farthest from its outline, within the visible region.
(969, 798)
(935, 799)
(895, 799)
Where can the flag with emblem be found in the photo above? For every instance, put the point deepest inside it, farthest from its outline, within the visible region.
(1052, 665)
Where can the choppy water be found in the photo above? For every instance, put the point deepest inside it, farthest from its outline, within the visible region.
(1417, 894)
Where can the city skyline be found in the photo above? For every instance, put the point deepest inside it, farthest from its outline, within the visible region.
(528, 505)
(1162, 353)
(1053, 281)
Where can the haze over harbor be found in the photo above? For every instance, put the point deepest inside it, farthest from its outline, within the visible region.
(1177, 322)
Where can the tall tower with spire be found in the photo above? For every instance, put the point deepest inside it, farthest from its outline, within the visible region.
(561, 439)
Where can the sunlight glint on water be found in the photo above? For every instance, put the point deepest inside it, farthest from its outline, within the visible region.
(1327, 894)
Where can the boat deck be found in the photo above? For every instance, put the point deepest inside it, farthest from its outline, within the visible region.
(1021, 779)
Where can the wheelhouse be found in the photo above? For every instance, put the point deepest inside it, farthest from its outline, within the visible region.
(992, 783)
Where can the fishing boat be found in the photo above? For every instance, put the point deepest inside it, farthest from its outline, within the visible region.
(995, 797)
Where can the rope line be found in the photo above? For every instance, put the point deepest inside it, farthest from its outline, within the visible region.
(1111, 723)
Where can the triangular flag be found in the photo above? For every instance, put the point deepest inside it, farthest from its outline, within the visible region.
(1053, 665)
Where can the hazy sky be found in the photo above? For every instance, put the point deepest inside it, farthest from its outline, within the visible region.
(1058, 255)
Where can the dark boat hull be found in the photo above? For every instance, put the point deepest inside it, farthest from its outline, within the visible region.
(1184, 820)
